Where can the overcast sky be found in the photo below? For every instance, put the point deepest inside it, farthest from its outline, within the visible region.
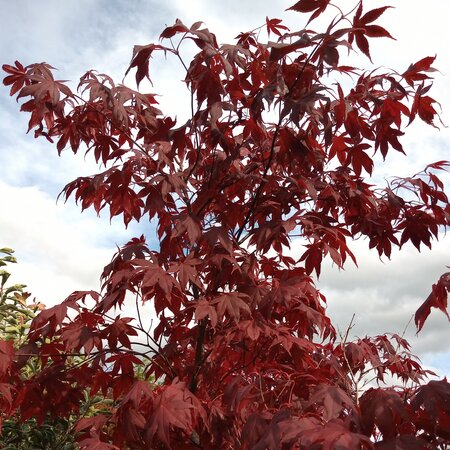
(61, 250)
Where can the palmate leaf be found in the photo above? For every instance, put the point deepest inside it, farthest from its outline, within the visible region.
(232, 305)
(173, 407)
(436, 299)
(317, 7)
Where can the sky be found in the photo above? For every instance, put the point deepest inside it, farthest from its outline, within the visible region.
(61, 250)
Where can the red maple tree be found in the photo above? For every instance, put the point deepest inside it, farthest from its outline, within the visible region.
(243, 352)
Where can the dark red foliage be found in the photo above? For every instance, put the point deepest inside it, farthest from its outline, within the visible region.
(436, 299)
(242, 351)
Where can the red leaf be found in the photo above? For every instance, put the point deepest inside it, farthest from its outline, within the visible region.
(6, 391)
(376, 31)
(205, 309)
(374, 14)
(414, 72)
(436, 299)
(425, 109)
(383, 409)
(274, 26)
(361, 29)
(363, 44)
(94, 443)
(174, 407)
(6, 355)
(141, 58)
(17, 77)
(171, 31)
(333, 399)
(94, 423)
(119, 332)
(187, 270)
(231, 303)
(282, 429)
(432, 401)
(313, 258)
(334, 435)
(304, 6)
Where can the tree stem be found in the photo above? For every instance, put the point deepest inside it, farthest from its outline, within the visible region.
(198, 347)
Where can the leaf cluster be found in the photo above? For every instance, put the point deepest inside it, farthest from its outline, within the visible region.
(17, 432)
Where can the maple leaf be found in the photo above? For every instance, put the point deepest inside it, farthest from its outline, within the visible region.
(384, 409)
(204, 309)
(255, 427)
(313, 258)
(231, 303)
(415, 71)
(140, 391)
(238, 394)
(334, 400)
(48, 320)
(219, 234)
(282, 430)
(173, 407)
(140, 60)
(334, 435)
(119, 332)
(6, 355)
(7, 391)
(135, 248)
(94, 423)
(171, 31)
(436, 299)
(124, 363)
(46, 90)
(434, 398)
(17, 77)
(155, 275)
(273, 25)
(187, 270)
(423, 106)
(362, 27)
(190, 226)
(94, 443)
(78, 336)
(304, 6)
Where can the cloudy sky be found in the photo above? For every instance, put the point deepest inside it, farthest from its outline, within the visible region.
(61, 250)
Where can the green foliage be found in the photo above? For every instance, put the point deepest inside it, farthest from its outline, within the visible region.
(54, 435)
(15, 313)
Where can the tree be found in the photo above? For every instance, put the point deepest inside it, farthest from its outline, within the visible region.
(274, 149)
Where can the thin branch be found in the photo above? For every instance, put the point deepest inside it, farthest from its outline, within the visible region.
(196, 137)
(198, 346)
(272, 146)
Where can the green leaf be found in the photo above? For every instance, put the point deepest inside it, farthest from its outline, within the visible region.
(7, 250)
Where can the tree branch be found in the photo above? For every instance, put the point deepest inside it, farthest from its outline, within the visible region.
(198, 347)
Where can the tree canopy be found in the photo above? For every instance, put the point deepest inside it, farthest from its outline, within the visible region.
(277, 147)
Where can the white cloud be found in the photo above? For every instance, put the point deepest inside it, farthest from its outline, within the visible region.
(59, 250)
(384, 295)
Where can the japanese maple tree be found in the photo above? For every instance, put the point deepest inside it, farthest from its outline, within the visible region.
(277, 147)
